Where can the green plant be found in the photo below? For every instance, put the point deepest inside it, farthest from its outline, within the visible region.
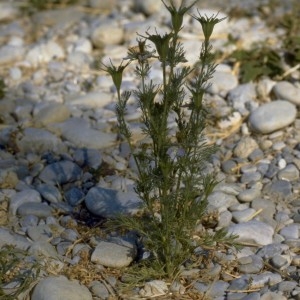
(171, 179)
(2, 88)
(16, 276)
(257, 62)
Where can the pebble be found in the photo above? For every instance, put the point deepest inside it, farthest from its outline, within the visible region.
(272, 116)
(53, 288)
(44, 52)
(65, 169)
(250, 264)
(287, 91)
(78, 132)
(253, 232)
(289, 173)
(108, 203)
(61, 172)
(26, 196)
(245, 147)
(154, 288)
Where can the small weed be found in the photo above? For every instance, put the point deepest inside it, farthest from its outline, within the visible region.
(171, 167)
(257, 62)
(16, 275)
(2, 88)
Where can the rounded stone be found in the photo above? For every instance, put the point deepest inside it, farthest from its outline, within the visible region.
(113, 255)
(53, 288)
(253, 232)
(289, 173)
(287, 91)
(272, 116)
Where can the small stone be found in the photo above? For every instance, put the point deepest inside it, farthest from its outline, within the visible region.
(154, 288)
(26, 196)
(289, 173)
(280, 262)
(74, 196)
(11, 54)
(53, 288)
(99, 290)
(260, 280)
(51, 113)
(282, 188)
(37, 140)
(273, 296)
(40, 210)
(290, 231)
(272, 116)
(10, 238)
(243, 215)
(221, 200)
(249, 195)
(229, 166)
(253, 232)
(108, 203)
(287, 91)
(107, 33)
(78, 132)
(222, 81)
(250, 264)
(44, 52)
(49, 192)
(91, 158)
(148, 7)
(245, 147)
(60, 173)
(91, 100)
(113, 255)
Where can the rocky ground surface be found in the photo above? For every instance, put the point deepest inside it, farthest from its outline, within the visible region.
(63, 169)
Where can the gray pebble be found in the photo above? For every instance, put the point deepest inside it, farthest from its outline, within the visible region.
(69, 235)
(88, 157)
(279, 262)
(279, 187)
(74, 196)
(107, 203)
(26, 196)
(248, 195)
(252, 296)
(78, 132)
(250, 177)
(245, 147)
(99, 290)
(229, 166)
(260, 280)
(49, 192)
(243, 215)
(60, 173)
(287, 91)
(253, 232)
(289, 173)
(113, 255)
(53, 288)
(250, 264)
(271, 250)
(221, 200)
(41, 210)
(273, 296)
(272, 116)
(38, 140)
(106, 33)
(287, 286)
(9, 238)
(290, 231)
